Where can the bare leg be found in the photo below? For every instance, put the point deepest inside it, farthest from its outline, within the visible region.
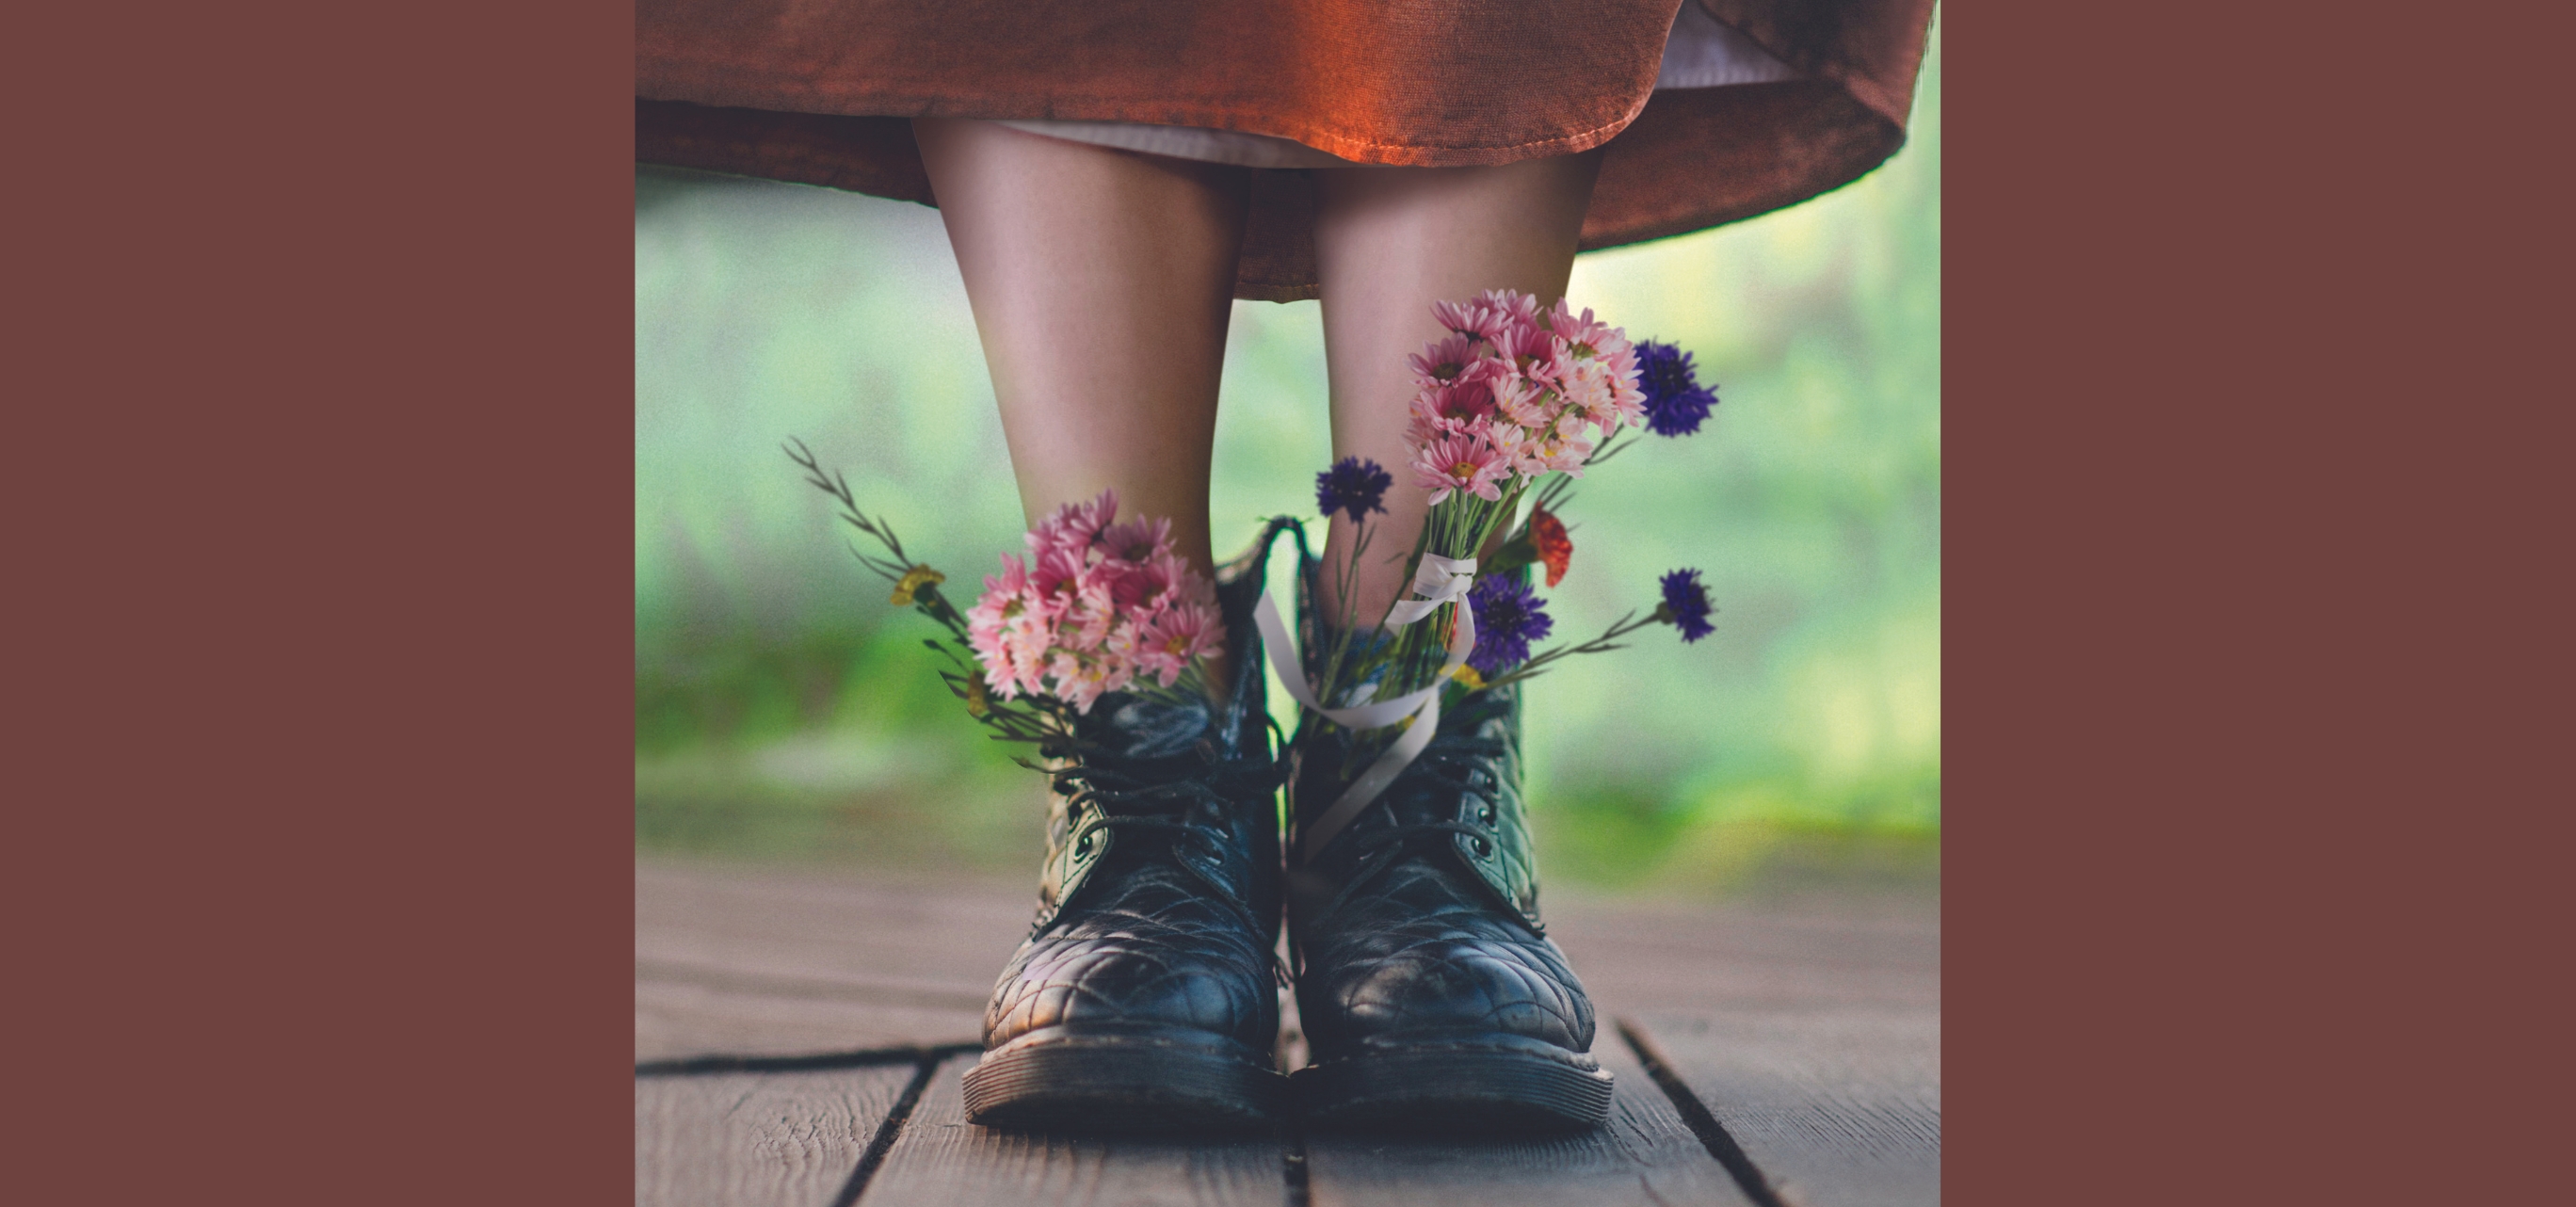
(1101, 283)
(1389, 242)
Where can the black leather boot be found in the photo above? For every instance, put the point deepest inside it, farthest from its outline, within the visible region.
(1430, 994)
(1146, 997)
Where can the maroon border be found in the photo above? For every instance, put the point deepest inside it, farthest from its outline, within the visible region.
(2247, 526)
(321, 469)
(321, 672)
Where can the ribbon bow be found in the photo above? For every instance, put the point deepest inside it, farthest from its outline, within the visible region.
(1438, 580)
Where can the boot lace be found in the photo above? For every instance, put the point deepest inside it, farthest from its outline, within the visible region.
(1187, 805)
(1446, 764)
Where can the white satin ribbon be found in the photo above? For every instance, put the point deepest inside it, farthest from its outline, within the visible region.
(1437, 580)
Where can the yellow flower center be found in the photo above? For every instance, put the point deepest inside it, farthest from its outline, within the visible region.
(913, 580)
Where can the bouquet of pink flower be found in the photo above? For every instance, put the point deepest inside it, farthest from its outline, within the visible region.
(1510, 406)
(1098, 606)
(1511, 394)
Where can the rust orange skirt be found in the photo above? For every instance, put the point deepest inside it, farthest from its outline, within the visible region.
(823, 93)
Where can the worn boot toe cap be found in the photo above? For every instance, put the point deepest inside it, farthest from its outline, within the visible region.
(1177, 962)
(1408, 968)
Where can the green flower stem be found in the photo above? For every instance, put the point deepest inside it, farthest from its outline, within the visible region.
(1042, 721)
(1607, 641)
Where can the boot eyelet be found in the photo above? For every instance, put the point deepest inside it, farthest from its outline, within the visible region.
(1485, 815)
(1082, 845)
(1484, 849)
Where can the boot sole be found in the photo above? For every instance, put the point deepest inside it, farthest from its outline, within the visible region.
(1455, 1089)
(1125, 1083)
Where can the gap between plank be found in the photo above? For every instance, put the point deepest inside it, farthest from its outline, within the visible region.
(699, 1066)
(884, 1139)
(1293, 1165)
(1697, 1117)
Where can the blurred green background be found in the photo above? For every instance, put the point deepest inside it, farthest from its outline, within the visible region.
(783, 709)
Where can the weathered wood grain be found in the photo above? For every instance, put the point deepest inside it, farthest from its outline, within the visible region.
(1645, 1155)
(939, 1158)
(1752, 954)
(757, 961)
(754, 960)
(1837, 1106)
(1810, 1029)
(760, 1139)
(684, 1019)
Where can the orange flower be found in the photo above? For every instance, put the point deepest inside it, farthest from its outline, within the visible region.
(1555, 549)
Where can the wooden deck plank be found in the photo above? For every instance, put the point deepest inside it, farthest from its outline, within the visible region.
(770, 961)
(1837, 1106)
(758, 1139)
(940, 1158)
(1810, 1029)
(1645, 1155)
(680, 1020)
(1644, 956)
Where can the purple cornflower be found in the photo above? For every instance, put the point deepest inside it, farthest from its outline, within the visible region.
(1353, 485)
(1676, 404)
(1508, 619)
(1686, 605)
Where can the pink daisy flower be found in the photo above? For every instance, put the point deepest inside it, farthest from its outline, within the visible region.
(1508, 439)
(1610, 400)
(1626, 400)
(1510, 307)
(984, 636)
(1585, 336)
(1026, 638)
(1525, 402)
(1153, 584)
(1529, 351)
(1607, 362)
(1435, 415)
(1442, 360)
(1054, 577)
(1090, 614)
(1096, 603)
(1425, 423)
(1469, 398)
(997, 629)
(1465, 461)
(1455, 407)
(1136, 540)
(1558, 452)
(1164, 646)
(1467, 319)
(1004, 588)
(1074, 526)
(1588, 396)
(1081, 681)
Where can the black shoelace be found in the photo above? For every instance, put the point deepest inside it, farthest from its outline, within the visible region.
(1447, 763)
(1187, 805)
